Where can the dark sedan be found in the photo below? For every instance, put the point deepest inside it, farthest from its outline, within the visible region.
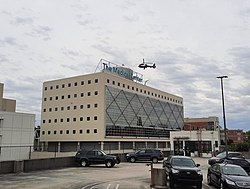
(182, 170)
(228, 176)
(241, 162)
(222, 156)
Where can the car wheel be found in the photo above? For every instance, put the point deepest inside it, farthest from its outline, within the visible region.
(171, 182)
(209, 179)
(199, 186)
(222, 186)
(84, 163)
(132, 160)
(109, 163)
(154, 160)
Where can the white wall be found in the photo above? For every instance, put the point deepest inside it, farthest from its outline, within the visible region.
(17, 133)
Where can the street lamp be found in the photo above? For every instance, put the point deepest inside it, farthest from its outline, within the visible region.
(223, 109)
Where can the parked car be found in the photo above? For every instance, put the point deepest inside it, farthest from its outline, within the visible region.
(228, 176)
(182, 170)
(222, 156)
(239, 161)
(153, 155)
(89, 157)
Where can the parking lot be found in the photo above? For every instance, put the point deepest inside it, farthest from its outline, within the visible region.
(122, 176)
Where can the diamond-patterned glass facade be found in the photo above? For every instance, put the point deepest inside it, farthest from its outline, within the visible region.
(134, 115)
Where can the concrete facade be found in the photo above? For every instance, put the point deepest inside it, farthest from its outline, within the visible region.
(105, 110)
(7, 105)
(16, 130)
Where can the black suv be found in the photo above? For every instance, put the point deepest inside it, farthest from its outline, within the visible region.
(153, 155)
(183, 170)
(88, 157)
(222, 156)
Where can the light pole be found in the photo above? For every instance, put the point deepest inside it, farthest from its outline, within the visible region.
(223, 109)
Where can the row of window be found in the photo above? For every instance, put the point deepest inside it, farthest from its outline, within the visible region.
(74, 119)
(69, 108)
(61, 132)
(144, 91)
(70, 96)
(69, 84)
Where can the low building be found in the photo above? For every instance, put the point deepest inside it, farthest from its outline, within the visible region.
(200, 137)
(234, 136)
(16, 131)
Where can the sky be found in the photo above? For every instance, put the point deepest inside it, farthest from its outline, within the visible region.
(191, 42)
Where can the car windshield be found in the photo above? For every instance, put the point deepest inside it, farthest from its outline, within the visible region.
(233, 170)
(221, 155)
(183, 162)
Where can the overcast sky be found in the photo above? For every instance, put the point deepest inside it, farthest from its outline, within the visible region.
(192, 42)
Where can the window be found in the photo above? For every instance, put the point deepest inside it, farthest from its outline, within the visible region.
(88, 118)
(68, 107)
(51, 87)
(55, 120)
(133, 88)
(113, 82)
(82, 82)
(68, 96)
(57, 86)
(81, 107)
(61, 120)
(89, 81)
(81, 118)
(119, 84)
(50, 98)
(89, 93)
(44, 110)
(95, 105)
(54, 132)
(45, 99)
(45, 88)
(75, 107)
(123, 85)
(68, 119)
(88, 105)
(67, 132)
(107, 80)
(96, 92)
(63, 85)
(50, 109)
(95, 130)
(69, 84)
(48, 132)
(95, 117)
(74, 119)
(80, 131)
(128, 87)
(74, 132)
(62, 96)
(56, 97)
(43, 133)
(96, 80)
(61, 132)
(75, 95)
(87, 131)
(75, 84)
(82, 94)
(49, 120)
(44, 121)
(56, 109)
(62, 108)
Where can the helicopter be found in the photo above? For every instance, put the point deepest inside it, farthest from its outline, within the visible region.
(146, 65)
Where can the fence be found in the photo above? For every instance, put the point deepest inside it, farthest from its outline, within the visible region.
(66, 150)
